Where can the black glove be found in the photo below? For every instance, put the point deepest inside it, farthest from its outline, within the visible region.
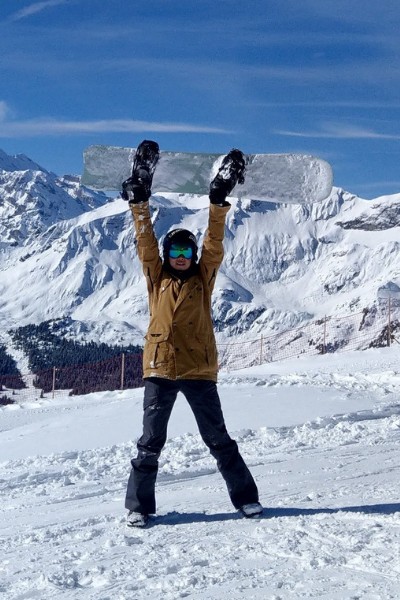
(218, 197)
(231, 172)
(133, 191)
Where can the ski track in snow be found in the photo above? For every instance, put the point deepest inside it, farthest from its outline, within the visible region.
(331, 526)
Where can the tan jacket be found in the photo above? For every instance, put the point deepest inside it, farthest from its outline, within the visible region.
(180, 342)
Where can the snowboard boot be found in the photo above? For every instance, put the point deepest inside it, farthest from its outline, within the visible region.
(138, 187)
(230, 173)
(250, 511)
(135, 519)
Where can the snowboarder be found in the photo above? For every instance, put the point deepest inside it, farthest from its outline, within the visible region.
(180, 351)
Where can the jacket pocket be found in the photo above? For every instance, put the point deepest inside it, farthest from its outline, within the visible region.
(204, 348)
(156, 350)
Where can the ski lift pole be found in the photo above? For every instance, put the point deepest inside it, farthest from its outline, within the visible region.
(261, 349)
(389, 321)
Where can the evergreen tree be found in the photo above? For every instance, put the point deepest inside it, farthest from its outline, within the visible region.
(80, 367)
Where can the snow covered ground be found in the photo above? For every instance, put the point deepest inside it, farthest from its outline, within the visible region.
(321, 436)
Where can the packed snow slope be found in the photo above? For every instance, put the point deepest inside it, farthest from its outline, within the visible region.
(321, 436)
(284, 266)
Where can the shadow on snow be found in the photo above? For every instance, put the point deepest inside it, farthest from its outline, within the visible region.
(176, 518)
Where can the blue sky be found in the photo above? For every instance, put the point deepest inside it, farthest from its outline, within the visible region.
(316, 76)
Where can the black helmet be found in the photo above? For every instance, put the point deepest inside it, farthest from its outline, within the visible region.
(179, 236)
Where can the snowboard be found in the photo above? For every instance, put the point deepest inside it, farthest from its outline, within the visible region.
(286, 178)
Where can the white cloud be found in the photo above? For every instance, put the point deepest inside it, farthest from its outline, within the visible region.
(363, 104)
(338, 131)
(35, 8)
(50, 126)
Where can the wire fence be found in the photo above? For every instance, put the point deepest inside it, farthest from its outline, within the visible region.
(378, 326)
(323, 336)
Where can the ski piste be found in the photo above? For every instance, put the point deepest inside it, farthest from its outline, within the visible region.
(283, 178)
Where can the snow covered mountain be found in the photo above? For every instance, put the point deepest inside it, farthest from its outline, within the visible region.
(69, 252)
(32, 200)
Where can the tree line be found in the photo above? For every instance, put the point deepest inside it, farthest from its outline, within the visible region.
(81, 367)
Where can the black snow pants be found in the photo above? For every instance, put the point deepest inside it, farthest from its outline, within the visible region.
(202, 396)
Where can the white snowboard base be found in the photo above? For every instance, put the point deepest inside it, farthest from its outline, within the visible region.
(287, 178)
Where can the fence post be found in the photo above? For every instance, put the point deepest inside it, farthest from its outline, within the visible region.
(54, 381)
(389, 322)
(122, 370)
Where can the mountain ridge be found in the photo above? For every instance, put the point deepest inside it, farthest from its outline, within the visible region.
(284, 265)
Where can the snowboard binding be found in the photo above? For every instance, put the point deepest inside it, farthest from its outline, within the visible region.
(138, 187)
(230, 173)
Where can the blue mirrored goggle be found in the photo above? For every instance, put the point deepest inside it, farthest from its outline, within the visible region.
(176, 250)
